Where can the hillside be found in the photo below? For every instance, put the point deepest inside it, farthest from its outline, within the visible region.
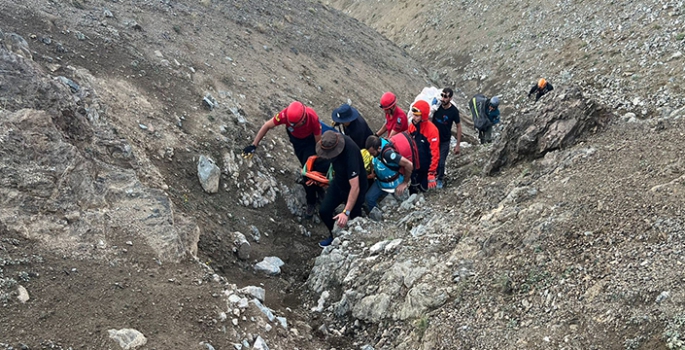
(555, 236)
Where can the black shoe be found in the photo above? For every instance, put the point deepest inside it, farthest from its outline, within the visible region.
(309, 212)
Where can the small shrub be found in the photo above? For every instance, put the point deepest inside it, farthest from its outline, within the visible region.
(421, 326)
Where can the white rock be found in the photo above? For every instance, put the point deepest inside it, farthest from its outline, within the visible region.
(127, 338)
(256, 292)
(260, 344)
(23, 294)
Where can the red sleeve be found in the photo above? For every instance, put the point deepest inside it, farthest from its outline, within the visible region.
(433, 137)
(279, 118)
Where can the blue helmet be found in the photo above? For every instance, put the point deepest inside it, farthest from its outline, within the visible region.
(494, 102)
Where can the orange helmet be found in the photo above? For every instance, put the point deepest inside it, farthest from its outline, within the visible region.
(542, 83)
(295, 113)
(388, 100)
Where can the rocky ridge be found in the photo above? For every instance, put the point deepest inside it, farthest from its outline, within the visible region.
(627, 55)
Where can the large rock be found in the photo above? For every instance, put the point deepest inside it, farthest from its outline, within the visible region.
(127, 338)
(554, 125)
(209, 174)
(77, 186)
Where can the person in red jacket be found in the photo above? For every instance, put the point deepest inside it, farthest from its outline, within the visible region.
(304, 131)
(427, 138)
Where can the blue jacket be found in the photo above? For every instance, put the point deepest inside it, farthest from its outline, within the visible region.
(494, 116)
(387, 177)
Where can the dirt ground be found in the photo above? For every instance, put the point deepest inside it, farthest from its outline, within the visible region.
(203, 48)
(154, 61)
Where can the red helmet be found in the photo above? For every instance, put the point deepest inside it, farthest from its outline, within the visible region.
(388, 100)
(295, 113)
(422, 108)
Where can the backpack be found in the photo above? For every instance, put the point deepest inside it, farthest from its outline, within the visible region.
(479, 112)
(412, 153)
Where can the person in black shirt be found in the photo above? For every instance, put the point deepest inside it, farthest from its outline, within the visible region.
(541, 88)
(443, 118)
(353, 124)
(349, 183)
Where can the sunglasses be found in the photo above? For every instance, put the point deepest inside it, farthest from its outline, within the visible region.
(445, 95)
(416, 111)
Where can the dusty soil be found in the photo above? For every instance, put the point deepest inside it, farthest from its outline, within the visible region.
(153, 61)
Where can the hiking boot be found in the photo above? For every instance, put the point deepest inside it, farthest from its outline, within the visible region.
(440, 184)
(326, 242)
(376, 214)
(309, 212)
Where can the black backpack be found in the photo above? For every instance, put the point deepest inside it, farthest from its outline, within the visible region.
(479, 112)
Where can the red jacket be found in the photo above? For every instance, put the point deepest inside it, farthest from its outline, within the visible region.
(428, 134)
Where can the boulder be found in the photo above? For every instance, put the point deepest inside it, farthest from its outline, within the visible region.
(555, 125)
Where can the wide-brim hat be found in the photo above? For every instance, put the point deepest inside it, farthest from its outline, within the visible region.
(331, 145)
(345, 114)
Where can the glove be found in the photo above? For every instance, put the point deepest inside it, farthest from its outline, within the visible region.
(248, 151)
(431, 181)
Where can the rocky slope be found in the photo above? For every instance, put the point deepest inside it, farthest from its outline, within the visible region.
(578, 249)
(628, 54)
(108, 238)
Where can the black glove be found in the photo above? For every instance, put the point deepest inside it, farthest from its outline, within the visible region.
(248, 151)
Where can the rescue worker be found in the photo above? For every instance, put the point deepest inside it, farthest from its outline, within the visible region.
(427, 140)
(349, 183)
(393, 171)
(395, 117)
(444, 116)
(304, 130)
(353, 124)
(541, 88)
(485, 136)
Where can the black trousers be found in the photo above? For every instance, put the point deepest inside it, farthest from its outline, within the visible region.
(336, 195)
(419, 181)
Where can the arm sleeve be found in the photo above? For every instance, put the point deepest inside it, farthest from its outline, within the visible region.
(279, 118)
(550, 87)
(392, 157)
(434, 139)
(533, 89)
